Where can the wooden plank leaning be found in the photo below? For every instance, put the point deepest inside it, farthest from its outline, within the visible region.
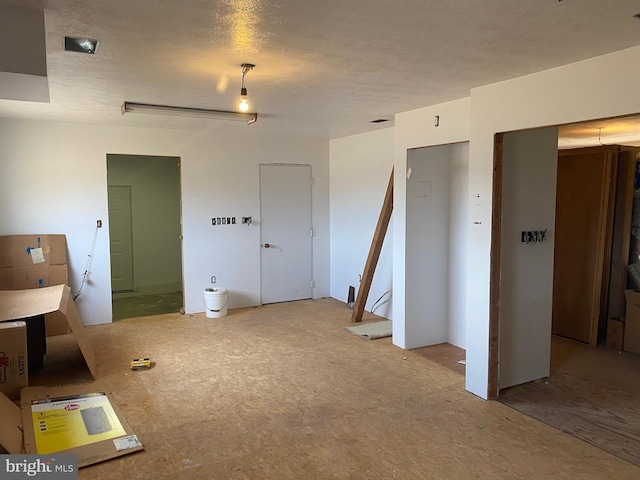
(374, 253)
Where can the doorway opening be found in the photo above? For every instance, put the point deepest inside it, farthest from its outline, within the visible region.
(144, 197)
(588, 392)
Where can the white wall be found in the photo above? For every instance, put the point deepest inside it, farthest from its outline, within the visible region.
(586, 90)
(53, 180)
(436, 245)
(413, 130)
(458, 238)
(360, 166)
(530, 161)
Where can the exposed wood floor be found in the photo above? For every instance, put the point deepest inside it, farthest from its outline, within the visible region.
(593, 394)
(146, 305)
(285, 392)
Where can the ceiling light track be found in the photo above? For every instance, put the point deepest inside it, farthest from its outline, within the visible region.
(131, 107)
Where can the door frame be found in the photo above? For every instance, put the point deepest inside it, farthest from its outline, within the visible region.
(133, 275)
(493, 389)
(180, 210)
(311, 237)
(494, 269)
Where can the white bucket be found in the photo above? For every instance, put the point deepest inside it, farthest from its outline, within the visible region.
(215, 302)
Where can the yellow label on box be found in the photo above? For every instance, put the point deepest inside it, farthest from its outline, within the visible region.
(63, 423)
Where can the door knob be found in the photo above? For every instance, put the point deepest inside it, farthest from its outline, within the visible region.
(266, 245)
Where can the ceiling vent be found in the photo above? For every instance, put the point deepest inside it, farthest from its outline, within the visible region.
(81, 45)
(379, 120)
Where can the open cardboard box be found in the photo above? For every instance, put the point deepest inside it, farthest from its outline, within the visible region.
(100, 434)
(35, 261)
(80, 419)
(18, 304)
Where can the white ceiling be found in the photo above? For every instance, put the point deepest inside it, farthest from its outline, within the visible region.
(323, 68)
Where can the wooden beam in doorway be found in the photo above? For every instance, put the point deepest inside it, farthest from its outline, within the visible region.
(494, 276)
(374, 253)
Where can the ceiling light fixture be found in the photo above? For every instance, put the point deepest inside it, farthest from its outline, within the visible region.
(81, 45)
(130, 107)
(244, 105)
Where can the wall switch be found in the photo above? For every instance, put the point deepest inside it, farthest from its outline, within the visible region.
(99, 223)
(533, 236)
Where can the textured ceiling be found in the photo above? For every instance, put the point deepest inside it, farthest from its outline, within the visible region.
(322, 68)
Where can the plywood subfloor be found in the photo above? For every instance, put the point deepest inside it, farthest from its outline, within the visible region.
(591, 393)
(445, 354)
(285, 392)
(146, 305)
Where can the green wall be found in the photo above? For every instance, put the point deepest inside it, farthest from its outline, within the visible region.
(155, 209)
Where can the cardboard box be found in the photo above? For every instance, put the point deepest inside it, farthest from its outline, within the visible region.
(82, 420)
(10, 426)
(35, 261)
(16, 304)
(38, 276)
(41, 301)
(13, 358)
(55, 323)
(615, 333)
(632, 322)
(35, 276)
(29, 250)
(86, 420)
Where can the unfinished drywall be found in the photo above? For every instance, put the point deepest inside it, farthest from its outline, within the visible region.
(530, 161)
(155, 219)
(436, 245)
(53, 180)
(360, 166)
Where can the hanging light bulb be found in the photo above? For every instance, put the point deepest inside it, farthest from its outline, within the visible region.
(244, 103)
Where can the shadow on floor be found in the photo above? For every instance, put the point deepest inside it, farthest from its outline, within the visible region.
(445, 354)
(146, 305)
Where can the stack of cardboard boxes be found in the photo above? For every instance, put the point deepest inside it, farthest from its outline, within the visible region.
(73, 419)
(29, 262)
(32, 261)
(34, 292)
(35, 261)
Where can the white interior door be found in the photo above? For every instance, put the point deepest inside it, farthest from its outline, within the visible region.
(286, 233)
(120, 235)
